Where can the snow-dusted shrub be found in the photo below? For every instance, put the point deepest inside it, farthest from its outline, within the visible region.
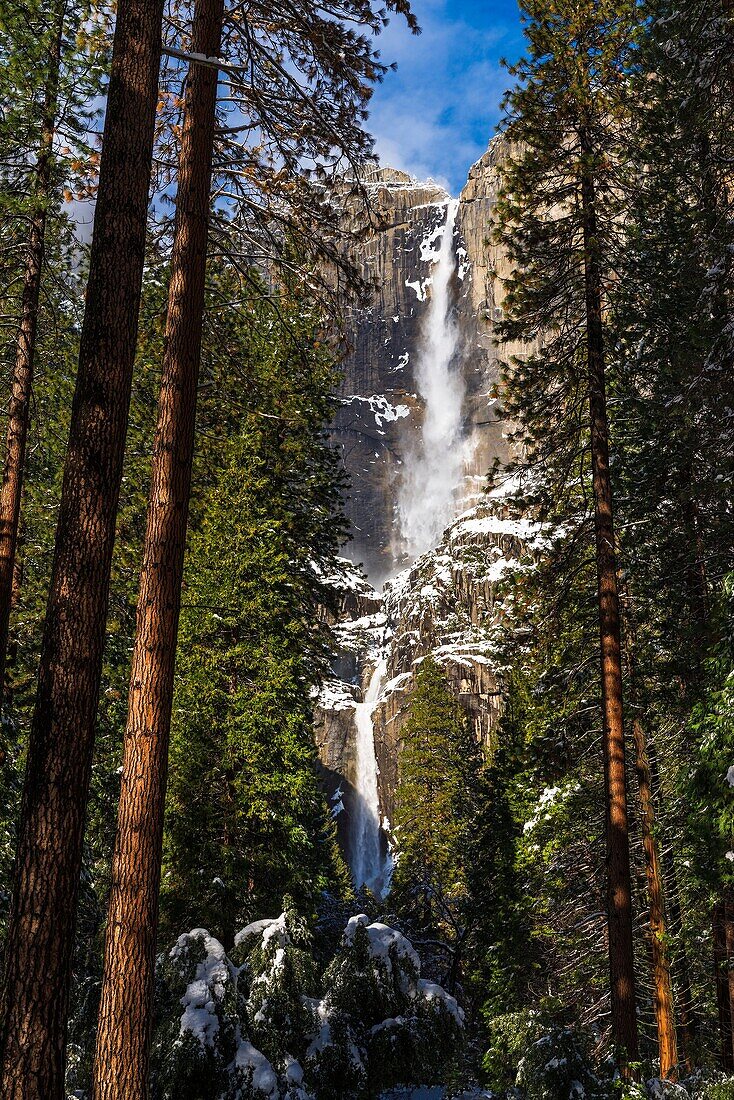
(555, 1066)
(658, 1089)
(278, 967)
(541, 1060)
(509, 1037)
(708, 1085)
(257, 1025)
(199, 1051)
(381, 1025)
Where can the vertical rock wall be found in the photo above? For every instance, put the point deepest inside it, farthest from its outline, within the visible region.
(381, 411)
(444, 603)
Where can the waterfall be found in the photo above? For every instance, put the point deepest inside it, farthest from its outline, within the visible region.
(368, 863)
(433, 471)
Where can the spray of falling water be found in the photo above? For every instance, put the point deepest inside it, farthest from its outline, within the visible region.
(433, 471)
(368, 864)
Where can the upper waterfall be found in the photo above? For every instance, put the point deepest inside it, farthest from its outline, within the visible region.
(416, 425)
(433, 467)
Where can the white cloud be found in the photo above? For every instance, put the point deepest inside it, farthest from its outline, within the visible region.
(436, 114)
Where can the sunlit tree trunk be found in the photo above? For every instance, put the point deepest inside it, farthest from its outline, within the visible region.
(121, 1064)
(687, 1021)
(660, 954)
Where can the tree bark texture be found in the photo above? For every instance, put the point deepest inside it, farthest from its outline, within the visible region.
(21, 383)
(723, 935)
(659, 938)
(619, 891)
(680, 966)
(123, 1042)
(49, 852)
(687, 1019)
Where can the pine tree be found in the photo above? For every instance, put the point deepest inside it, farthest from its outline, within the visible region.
(246, 823)
(122, 1045)
(59, 752)
(710, 818)
(438, 805)
(121, 1060)
(59, 55)
(557, 222)
(672, 352)
(18, 413)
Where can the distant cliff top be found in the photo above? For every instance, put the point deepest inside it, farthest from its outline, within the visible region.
(392, 179)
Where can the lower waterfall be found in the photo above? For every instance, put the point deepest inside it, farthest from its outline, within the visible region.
(369, 866)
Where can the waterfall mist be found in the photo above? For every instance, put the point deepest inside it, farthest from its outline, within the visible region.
(433, 470)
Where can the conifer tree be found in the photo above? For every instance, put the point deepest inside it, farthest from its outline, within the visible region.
(246, 823)
(20, 396)
(121, 1060)
(557, 221)
(672, 350)
(438, 805)
(122, 1045)
(51, 73)
(61, 743)
(59, 754)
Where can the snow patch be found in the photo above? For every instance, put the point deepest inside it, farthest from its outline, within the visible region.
(252, 1061)
(383, 411)
(199, 1017)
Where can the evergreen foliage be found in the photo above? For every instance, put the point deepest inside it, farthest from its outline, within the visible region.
(261, 1022)
(438, 805)
(246, 820)
(498, 899)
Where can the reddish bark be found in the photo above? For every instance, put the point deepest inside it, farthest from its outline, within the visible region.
(619, 890)
(49, 854)
(123, 1041)
(659, 950)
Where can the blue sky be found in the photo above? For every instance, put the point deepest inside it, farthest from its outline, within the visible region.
(435, 115)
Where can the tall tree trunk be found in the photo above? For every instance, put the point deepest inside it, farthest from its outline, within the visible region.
(662, 988)
(49, 853)
(123, 1041)
(22, 380)
(645, 758)
(723, 935)
(619, 890)
(687, 1021)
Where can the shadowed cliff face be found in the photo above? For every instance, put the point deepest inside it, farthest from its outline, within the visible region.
(381, 413)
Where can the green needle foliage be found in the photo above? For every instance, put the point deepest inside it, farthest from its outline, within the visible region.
(246, 820)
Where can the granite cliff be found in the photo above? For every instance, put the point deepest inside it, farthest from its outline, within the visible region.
(444, 602)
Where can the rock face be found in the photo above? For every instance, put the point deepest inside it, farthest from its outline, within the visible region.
(381, 411)
(444, 603)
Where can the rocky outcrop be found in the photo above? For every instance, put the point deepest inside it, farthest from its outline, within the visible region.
(446, 604)
(379, 405)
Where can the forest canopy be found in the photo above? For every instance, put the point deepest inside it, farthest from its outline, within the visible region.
(270, 830)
